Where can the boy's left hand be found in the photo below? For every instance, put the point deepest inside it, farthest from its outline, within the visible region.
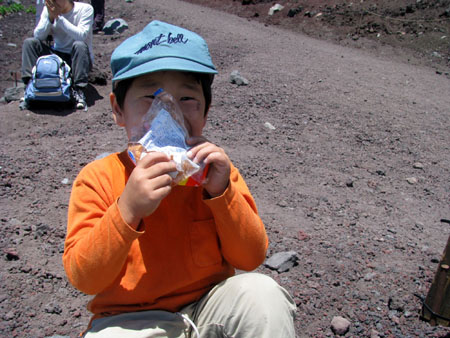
(54, 9)
(219, 164)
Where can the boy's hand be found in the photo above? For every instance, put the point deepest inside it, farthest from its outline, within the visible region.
(219, 171)
(54, 10)
(147, 185)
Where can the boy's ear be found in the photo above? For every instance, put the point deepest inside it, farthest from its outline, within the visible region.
(117, 110)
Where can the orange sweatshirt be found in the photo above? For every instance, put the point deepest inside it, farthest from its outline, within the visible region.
(186, 246)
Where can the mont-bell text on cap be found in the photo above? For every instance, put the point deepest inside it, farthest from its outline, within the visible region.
(162, 38)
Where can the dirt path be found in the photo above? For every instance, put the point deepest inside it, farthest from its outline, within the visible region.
(331, 180)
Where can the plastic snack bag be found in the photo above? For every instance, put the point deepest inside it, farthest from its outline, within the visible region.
(162, 129)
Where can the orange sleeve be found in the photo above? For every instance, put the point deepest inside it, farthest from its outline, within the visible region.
(241, 231)
(98, 240)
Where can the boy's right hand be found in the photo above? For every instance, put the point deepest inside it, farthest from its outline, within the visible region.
(54, 10)
(147, 185)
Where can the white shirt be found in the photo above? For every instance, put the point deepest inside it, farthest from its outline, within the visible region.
(75, 25)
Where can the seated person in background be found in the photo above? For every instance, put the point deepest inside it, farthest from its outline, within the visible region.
(70, 25)
(160, 259)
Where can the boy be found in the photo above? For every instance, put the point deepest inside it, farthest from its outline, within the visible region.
(70, 24)
(161, 259)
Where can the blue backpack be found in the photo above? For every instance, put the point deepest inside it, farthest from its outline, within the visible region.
(50, 81)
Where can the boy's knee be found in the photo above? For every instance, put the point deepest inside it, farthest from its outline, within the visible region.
(30, 43)
(266, 306)
(80, 46)
(254, 281)
(259, 288)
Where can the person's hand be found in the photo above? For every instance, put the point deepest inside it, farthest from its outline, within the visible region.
(54, 10)
(147, 185)
(218, 176)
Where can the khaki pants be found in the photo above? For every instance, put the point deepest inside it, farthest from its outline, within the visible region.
(247, 305)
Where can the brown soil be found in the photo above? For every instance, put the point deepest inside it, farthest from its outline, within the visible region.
(354, 177)
(418, 30)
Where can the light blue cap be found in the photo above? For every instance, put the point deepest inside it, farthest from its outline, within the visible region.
(161, 46)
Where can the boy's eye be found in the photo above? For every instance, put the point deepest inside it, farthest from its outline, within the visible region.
(189, 105)
(186, 98)
(150, 96)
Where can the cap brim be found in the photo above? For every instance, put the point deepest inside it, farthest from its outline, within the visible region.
(167, 63)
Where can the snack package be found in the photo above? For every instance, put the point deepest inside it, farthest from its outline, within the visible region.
(162, 129)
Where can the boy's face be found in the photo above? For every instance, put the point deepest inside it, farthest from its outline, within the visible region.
(184, 88)
(62, 5)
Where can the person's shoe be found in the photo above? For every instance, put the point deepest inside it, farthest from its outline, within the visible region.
(97, 27)
(23, 105)
(80, 99)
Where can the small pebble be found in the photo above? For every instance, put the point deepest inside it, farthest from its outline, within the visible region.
(411, 180)
(340, 325)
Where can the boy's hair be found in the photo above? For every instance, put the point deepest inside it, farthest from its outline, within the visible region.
(120, 88)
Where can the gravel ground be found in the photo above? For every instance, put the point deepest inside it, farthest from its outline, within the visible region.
(346, 151)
